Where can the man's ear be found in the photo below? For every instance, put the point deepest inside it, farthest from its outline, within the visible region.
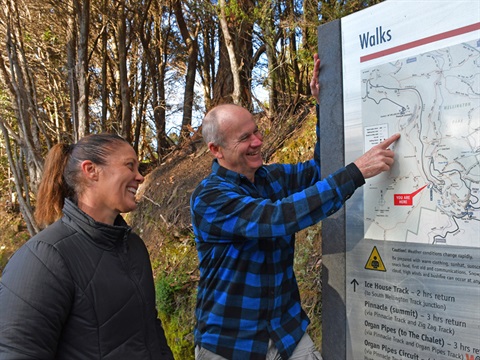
(89, 169)
(215, 150)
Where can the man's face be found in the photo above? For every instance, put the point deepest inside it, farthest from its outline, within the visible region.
(240, 151)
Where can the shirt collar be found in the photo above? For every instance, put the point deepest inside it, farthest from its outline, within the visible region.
(233, 176)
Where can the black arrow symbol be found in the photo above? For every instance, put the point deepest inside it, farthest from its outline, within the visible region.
(355, 283)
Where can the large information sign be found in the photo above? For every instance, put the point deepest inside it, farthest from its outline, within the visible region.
(413, 234)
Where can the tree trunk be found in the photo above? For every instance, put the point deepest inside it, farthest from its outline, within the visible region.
(19, 80)
(190, 40)
(72, 74)
(208, 62)
(24, 204)
(141, 106)
(104, 55)
(156, 58)
(122, 64)
(235, 69)
(83, 13)
(270, 40)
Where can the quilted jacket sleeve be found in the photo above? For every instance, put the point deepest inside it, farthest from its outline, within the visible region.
(35, 297)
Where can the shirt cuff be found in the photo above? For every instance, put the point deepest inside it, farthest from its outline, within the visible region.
(356, 174)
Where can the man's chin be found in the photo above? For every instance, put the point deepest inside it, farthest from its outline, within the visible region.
(257, 165)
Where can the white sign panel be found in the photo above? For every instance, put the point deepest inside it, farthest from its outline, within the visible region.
(413, 234)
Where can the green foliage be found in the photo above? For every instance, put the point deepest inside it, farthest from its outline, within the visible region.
(300, 147)
(233, 11)
(166, 287)
(176, 303)
(49, 37)
(179, 337)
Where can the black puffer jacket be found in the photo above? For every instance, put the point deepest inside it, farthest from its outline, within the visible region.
(80, 290)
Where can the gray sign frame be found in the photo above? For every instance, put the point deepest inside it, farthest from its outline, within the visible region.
(332, 150)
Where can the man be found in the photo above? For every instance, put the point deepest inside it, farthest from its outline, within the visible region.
(244, 217)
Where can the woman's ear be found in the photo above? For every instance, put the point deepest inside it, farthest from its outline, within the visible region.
(89, 169)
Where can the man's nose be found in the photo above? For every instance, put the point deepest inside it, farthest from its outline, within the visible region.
(257, 140)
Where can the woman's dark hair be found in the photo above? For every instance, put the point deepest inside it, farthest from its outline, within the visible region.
(62, 173)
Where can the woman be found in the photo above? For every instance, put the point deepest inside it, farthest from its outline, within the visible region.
(83, 288)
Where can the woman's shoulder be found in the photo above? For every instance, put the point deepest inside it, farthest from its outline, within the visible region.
(52, 234)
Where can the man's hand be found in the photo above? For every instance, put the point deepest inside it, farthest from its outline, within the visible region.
(378, 159)
(314, 84)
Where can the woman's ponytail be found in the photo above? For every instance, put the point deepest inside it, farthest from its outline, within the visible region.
(53, 189)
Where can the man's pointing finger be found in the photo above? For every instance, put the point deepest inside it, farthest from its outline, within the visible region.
(386, 143)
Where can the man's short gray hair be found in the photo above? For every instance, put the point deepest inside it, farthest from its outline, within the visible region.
(211, 130)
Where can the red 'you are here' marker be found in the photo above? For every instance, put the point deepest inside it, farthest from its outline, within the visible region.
(405, 199)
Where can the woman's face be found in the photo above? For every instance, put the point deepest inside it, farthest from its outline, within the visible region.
(115, 186)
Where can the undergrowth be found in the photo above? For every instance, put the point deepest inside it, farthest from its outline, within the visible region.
(175, 303)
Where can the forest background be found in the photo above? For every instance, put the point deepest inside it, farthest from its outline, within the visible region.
(149, 70)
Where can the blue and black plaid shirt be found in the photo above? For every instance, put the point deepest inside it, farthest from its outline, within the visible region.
(247, 293)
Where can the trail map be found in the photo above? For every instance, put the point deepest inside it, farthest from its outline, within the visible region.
(432, 193)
